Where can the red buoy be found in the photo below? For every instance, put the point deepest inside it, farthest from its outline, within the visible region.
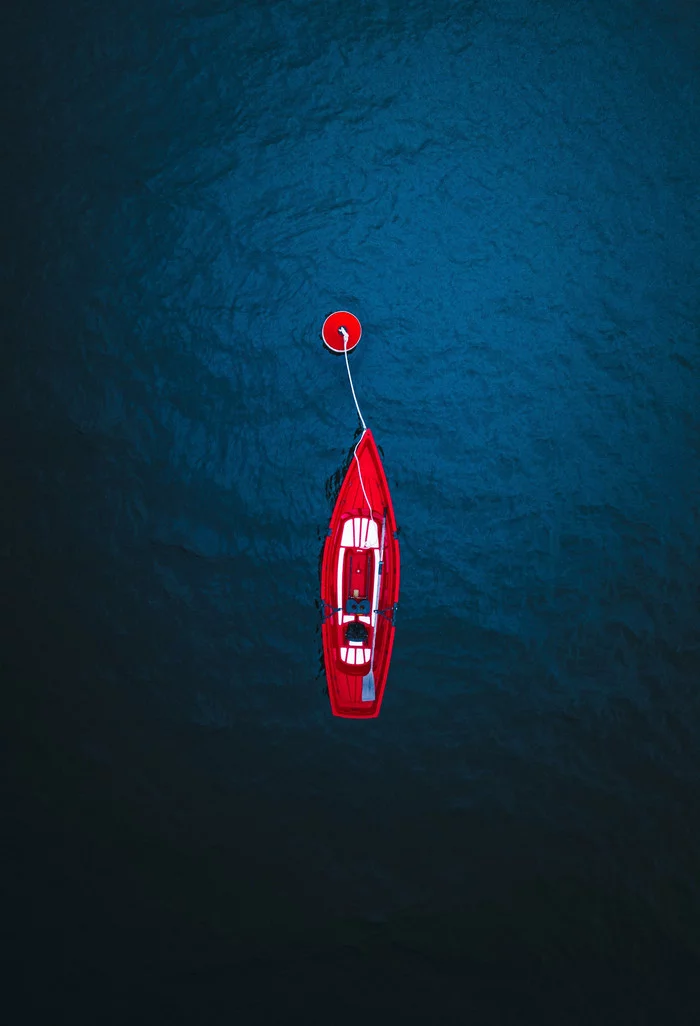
(335, 326)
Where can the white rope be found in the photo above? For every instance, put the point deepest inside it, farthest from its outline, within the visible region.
(345, 335)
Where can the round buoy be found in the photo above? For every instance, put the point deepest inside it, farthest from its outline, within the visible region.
(336, 326)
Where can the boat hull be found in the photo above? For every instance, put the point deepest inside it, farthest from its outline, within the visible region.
(360, 587)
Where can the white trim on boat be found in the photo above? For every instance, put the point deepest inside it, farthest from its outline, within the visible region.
(340, 604)
(375, 591)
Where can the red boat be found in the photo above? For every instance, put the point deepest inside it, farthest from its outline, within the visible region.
(360, 587)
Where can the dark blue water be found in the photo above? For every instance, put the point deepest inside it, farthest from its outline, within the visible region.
(507, 194)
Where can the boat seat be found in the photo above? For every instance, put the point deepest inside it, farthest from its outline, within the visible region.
(360, 533)
(358, 607)
(356, 633)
